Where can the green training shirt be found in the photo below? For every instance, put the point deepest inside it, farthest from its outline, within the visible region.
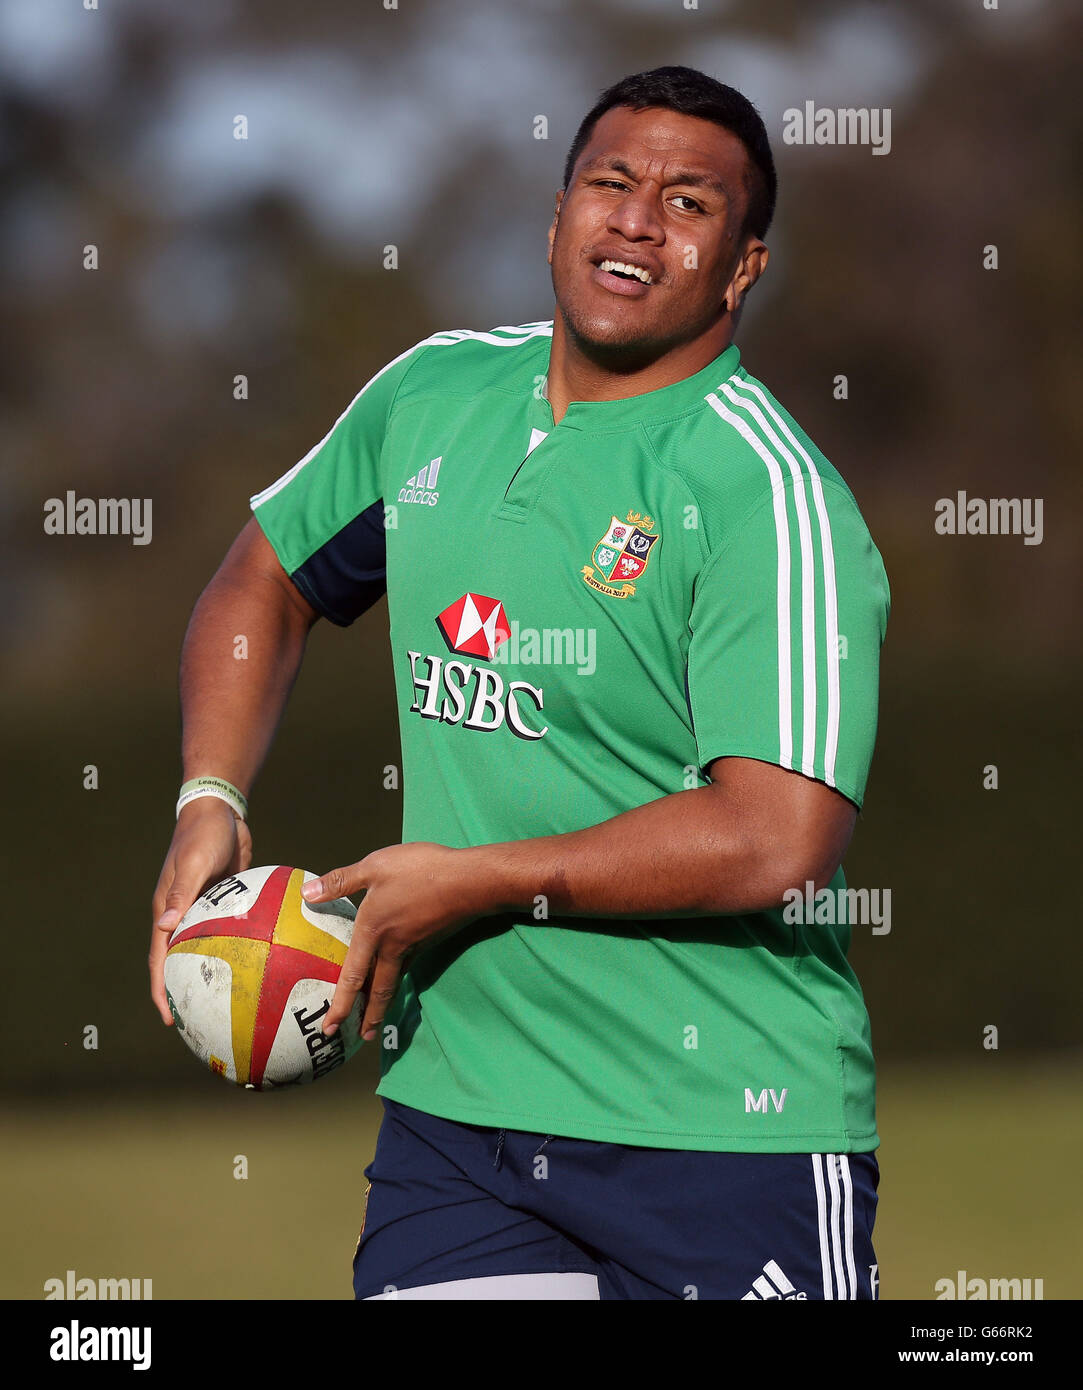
(582, 617)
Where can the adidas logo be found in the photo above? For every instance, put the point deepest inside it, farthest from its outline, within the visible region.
(772, 1283)
(421, 487)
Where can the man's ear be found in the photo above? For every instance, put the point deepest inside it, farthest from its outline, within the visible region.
(750, 267)
(553, 225)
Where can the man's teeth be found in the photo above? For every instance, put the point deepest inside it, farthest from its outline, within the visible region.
(619, 268)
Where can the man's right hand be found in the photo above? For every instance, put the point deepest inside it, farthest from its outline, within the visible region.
(231, 702)
(209, 843)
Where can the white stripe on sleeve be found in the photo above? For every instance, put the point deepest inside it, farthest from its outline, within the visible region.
(782, 537)
(808, 580)
(831, 607)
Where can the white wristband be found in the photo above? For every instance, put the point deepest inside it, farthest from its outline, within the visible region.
(213, 786)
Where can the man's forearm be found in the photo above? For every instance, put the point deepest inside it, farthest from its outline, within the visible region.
(241, 655)
(734, 846)
(691, 853)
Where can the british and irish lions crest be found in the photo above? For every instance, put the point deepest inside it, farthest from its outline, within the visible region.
(621, 556)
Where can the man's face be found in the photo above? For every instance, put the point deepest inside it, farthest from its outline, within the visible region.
(665, 193)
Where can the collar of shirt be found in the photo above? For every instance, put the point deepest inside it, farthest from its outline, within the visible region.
(631, 411)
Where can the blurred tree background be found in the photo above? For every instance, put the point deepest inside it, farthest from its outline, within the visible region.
(414, 127)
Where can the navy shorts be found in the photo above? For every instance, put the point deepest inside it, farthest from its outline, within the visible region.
(459, 1211)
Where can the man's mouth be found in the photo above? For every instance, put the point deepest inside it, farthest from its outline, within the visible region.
(626, 272)
(622, 278)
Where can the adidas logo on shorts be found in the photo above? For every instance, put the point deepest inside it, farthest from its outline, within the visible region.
(772, 1283)
(421, 487)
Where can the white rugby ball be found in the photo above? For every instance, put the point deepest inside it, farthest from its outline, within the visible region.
(250, 973)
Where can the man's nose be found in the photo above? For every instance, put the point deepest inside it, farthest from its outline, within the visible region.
(637, 216)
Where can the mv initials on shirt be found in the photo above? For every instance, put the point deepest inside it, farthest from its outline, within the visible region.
(592, 613)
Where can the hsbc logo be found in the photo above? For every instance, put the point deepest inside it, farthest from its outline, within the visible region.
(460, 692)
(476, 692)
(474, 625)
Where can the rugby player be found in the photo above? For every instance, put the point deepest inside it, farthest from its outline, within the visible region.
(635, 617)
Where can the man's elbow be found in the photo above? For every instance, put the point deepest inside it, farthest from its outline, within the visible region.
(772, 882)
(815, 867)
(770, 870)
(778, 830)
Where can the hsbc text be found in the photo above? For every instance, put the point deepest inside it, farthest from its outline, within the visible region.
(474, 696)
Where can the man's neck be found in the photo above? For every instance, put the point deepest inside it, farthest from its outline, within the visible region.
(573, 376)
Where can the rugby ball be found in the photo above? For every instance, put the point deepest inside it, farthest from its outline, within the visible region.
(250, 973)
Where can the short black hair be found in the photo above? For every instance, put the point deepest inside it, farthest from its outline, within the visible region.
(693, 93)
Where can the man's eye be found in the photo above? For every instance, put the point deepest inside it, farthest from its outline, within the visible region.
(684, 198)
(609, 183)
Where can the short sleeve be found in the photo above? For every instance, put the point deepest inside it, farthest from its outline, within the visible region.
(324, 518)
(787, 622)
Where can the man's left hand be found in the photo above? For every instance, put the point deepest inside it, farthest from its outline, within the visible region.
(413, 893)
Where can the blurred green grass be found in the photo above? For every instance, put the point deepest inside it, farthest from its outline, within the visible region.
(978, 1172)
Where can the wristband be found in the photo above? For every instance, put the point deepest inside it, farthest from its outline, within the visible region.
(213, 786)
